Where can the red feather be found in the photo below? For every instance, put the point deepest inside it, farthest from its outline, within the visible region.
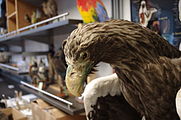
(87, 4)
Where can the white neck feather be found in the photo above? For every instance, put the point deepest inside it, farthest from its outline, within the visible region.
(100, 87)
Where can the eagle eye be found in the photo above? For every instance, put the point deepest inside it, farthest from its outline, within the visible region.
(83, 55)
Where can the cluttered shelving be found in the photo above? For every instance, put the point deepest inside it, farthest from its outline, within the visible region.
(23, 25)
(69, 105)
(64, 26)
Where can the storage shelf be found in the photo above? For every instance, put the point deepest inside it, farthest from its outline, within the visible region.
(11, 69)
(38, 53)
(10, 4)
(70, 106)
(13, 75)
(16, 11)
(64, 26)
(40, 33)
(73, 108)
(36, 3)
(12, 15)
(70, 110)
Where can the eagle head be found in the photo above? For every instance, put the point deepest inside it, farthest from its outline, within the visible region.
(83, 49)
(80, 62)
(92, 43)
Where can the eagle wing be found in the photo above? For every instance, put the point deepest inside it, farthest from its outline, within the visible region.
(160, 83)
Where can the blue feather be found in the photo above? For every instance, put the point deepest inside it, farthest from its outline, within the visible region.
(101, 13)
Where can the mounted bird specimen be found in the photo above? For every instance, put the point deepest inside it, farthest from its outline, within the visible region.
(49, 8)
(39, 73)
(92, 10)
(34, 18)
(57, 70)
(33, 71)
(146, 71)
(43, 77)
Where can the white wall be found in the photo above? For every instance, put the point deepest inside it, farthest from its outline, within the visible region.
(58, 40)
(15, 48)
(108, 6)
(126, 10)
(68, 6)
(33, 46)
(30, 46)
(15, 58)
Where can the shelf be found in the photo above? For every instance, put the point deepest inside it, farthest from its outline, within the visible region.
(34, 53)
(68, 105)
(13, 24)
(41, 34)
(38, 53)
(10, 4)
(11, 69)
(36, 3)
(12, 15)
(13, 75)
(64, 26)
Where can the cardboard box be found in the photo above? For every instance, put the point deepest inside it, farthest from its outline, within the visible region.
(14, 114)
(43, 111)
(74, 117)
(17, 115)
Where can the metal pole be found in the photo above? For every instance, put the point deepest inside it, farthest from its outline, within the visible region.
(46, 93)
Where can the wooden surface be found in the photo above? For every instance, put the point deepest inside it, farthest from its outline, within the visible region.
(74, 117)
(10, 6)
(23, 8)
(11, 14)
(11, 24)
(16, 11)
(42, 110)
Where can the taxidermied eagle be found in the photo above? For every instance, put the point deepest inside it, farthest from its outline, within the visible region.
(148, 69)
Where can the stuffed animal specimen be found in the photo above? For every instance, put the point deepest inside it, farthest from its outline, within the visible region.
(148, 75)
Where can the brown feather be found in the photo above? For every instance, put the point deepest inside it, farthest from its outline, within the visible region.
(141, 58)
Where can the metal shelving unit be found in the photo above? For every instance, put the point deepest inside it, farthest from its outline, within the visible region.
(37, 31)
(68, 105)
(36, 3)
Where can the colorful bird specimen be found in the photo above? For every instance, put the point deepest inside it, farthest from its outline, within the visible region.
(33, 71)
(146, 71)
(92, 10)
(49, 8)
